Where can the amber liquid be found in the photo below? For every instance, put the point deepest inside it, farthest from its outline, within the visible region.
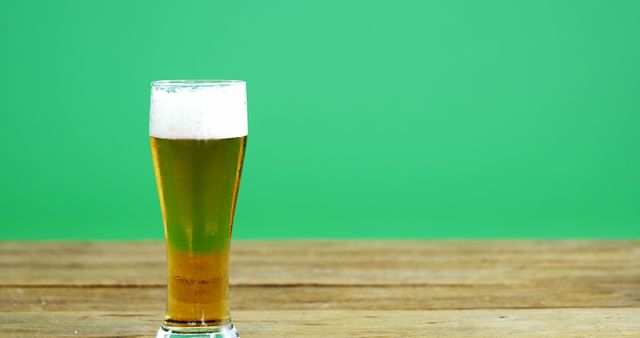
(198, 184)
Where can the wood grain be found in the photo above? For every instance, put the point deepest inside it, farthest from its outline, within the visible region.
(334, 263)
(335, 288)
(596, 322)
(328, 297)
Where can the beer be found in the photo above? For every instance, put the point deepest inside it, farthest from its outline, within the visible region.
(198, 184)
(198, 135)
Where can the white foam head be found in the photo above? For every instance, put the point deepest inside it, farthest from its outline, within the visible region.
(215, 109)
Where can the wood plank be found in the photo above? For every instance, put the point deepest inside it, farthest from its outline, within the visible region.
(567, 322)
(336, 288)
(152, 299)
(335, 263)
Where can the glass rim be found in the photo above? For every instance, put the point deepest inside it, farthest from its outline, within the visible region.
(194, 83)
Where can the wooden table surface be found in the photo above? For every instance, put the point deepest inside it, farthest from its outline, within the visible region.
(335, 289)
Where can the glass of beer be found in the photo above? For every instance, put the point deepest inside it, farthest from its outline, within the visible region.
(198, 135)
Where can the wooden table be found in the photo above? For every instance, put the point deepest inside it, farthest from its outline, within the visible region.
(336, 289)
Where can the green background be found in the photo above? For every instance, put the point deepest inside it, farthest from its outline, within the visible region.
(368, 119)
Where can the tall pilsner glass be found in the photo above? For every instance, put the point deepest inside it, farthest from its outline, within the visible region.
(198, 135)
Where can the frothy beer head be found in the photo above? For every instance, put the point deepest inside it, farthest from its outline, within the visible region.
(215, 109)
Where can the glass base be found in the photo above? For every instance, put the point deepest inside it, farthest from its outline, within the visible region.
(223, 331)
